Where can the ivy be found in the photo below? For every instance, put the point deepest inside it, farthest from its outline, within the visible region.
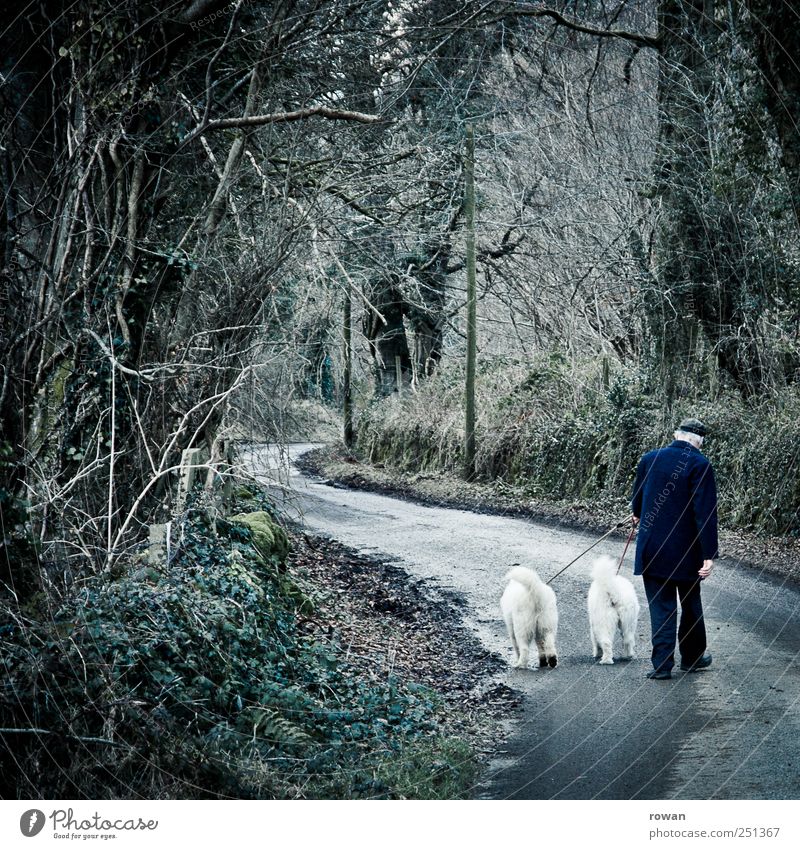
(196, 669)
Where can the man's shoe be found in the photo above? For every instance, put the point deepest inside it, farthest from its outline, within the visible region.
(703, 663)
(659, 675)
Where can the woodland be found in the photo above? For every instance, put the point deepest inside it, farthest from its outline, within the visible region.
(230, 221)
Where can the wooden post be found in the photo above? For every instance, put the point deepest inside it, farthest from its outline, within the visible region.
(398, 375)
(347, 398)
(193, 460)
(469, 213)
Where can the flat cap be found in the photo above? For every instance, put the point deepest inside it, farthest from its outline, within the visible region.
(693, 426)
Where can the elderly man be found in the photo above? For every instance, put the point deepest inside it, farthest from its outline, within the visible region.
(675, 505)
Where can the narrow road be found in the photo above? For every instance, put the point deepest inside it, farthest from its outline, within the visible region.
(589, 731)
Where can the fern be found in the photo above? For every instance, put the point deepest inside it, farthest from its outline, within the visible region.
(270, 725)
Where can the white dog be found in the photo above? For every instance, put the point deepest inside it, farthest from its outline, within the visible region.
(612, 605)
(529, 609)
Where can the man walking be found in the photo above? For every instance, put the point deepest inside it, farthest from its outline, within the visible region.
(675, 505)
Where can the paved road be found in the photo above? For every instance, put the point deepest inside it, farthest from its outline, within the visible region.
(589, 731)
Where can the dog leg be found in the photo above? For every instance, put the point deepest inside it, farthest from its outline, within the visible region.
(627, 627)
(550, 654)
(595, 645)
(513, 638)
(541, 650)
(628, 646)
(608, 653)
(522, 639)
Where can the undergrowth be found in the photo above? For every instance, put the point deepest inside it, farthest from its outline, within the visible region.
(190, 678)
(559, 431)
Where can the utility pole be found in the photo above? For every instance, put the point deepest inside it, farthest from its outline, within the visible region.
(469, 213)
(347, 400)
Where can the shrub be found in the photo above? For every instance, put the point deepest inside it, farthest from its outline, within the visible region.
(556, 431)
(191, 679)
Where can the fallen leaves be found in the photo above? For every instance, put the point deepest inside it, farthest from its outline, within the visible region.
(391, 624)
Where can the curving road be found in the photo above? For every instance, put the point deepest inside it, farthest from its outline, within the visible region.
(589, 731)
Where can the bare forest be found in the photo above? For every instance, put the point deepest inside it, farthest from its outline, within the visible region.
(241, 222)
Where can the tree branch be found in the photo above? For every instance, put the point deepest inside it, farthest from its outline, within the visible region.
(544, 12)
(505, 248)
(283, 118)
(199, 9)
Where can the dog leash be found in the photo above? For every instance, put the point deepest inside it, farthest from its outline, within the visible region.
(625, 550)
(597, 542)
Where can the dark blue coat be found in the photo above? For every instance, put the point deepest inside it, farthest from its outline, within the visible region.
(675, 499)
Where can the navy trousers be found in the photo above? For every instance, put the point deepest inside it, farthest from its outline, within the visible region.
(662, 599)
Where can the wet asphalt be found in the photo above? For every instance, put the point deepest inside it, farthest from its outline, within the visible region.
(587, 731)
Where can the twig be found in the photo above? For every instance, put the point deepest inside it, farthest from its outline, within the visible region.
(113, 360)
(101, 740)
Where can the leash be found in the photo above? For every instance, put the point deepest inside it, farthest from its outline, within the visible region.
(597, 542)
(625, 550)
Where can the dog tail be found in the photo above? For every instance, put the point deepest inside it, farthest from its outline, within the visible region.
(604, 568)
(527, 577)
(604, 573)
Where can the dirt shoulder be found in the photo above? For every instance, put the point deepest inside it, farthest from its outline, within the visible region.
(777, 556)
(391, 624)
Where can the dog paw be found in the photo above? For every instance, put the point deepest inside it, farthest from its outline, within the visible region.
(552, 662)
(607, 661)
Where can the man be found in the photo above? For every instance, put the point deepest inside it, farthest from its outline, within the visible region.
(675, 505)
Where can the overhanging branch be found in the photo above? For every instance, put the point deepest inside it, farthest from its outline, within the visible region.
(521, 11)
(284, 118)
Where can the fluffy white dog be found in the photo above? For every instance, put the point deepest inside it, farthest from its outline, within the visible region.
(529, 609)
(612, 606)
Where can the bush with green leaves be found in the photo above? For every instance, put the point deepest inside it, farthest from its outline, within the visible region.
(17, 546)
(568, 432)
(190, 678)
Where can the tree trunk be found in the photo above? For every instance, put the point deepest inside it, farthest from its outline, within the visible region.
(695, 296)
(386, 334)
(777, 49)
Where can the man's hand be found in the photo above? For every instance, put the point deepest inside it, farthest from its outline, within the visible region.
(635, 520)
(706, 570)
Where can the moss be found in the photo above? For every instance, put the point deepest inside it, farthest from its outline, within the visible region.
(49, 404)
(58, 389)
(269, 538)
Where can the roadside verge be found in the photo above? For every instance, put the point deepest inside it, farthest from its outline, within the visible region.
(338, 466)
